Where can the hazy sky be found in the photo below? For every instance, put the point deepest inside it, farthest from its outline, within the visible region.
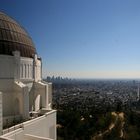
(82, 38)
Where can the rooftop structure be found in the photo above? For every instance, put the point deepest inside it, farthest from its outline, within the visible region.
(13, 37)
(25, 99)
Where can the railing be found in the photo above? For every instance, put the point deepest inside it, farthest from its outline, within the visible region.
(10, 129)
(31, 120)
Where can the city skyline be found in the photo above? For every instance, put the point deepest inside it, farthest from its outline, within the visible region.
(82, 38)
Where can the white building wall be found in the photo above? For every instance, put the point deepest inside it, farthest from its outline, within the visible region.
(41, 96)
(21, 86)
(7, 67)
(16, 67)
(26, 68)
(38, 96)
(30, 69)
(15, 100)
(8, 104)
(7, 88)
(49, 95)
(1, 114)
(44, 126)
(22, 95)
(37, 68)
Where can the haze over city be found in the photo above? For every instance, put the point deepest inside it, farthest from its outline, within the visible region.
(82, 38)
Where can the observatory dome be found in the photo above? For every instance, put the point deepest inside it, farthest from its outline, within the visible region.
(13, 37)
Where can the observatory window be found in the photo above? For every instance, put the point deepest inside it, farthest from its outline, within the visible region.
(28, 71)
(25, 70)
(22, 70)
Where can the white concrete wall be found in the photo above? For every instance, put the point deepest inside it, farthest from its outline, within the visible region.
(7, 88)
(48, 90)
(6, 85)
(41, 96)
(26, 68)
(7, 67)
(30, 69)
(15, 100)
(22, 95)
(37, 68)
(16, 67)
(20, 83)
(43, 126)
(1, 114)
(49, 95)
(37, 91)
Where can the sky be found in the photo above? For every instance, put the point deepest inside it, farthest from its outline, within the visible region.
(82, 38)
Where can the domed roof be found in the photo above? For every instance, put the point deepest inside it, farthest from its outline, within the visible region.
(14, 38)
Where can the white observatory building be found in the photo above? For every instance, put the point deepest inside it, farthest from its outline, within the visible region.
(25, 99)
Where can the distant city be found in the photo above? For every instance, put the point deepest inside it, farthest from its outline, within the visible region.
(85, 44)
(97, 98)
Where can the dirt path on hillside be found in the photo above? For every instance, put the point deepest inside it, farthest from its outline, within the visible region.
(112, 125)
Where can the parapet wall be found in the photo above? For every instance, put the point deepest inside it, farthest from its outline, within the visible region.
(41, 127)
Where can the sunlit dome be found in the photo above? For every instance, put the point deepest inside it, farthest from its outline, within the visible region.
(13, 37)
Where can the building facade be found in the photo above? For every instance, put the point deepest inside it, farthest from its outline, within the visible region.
(25, 99)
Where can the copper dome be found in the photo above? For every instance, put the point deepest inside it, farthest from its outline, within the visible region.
(13, 37)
